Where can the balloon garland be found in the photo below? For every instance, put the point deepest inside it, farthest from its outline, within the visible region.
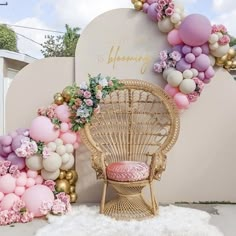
(197, 46)
(36, 164)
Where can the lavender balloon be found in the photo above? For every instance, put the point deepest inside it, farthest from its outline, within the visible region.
(2, 153)
(197, 51)
(190, 58)
(201, 76)
(15, 160)
(205, 49)
(186, 49)
(6, 140)
(7, 149)
(151, 12)
(201, 63)
(22, 131)
(16, 142)
(182, 65)
(209, 73)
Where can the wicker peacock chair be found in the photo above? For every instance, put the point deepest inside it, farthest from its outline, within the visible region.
(138, 124)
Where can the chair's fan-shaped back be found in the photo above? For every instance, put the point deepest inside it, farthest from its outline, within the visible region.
(138, 120)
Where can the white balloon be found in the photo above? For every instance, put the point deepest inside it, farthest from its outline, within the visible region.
(174, 78)
(68, 165)
(220, 35)
(187, 86)
(58, 142)
(65, 158)
(214, 46)
(165, 25)
(175, 18)
(221, 51)
(50, 175)
(52, 162)
(52, 146)
(188, 74)
(195, 72)
(212, 60)
(167, 71)
(69, 148)
(213, 38)
(34, 162)
(61, 150)
(179, 4)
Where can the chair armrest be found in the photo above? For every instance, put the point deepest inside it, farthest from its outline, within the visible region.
(157, 166)
(99, 165)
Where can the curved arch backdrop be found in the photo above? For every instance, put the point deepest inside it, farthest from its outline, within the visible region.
(124, 43)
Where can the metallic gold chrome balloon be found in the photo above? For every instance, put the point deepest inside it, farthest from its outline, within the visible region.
(73, 197)
(62, 185)
(138, 5)
(62, 174)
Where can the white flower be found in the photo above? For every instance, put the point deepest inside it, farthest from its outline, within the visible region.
(103, 82)
(83, 86)
(83, 112)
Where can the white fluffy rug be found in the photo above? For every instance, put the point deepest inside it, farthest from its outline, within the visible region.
(172, 221)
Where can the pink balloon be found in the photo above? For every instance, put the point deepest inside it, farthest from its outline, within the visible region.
(63, 113)
(195, 30)
(42, 129)
(21, 181)
(151, 12)
(182, 65)
(197, 51)
(32, 174)
(19, 191)
(1, 196)
(201, 63)
(178, 48)
(6, 140)
(15, 160)
(209, 73)
(2, 153)
(13, 134)
(64, 127)
(23, 131)
(7, 149)
(68, 137)
(173, 37)
(35, 196)
(181, 101)
(30, 182)
(2, 158)
(201, 75)
(205, 48)
(171, 90)
(23, 174)
(186, 49)
(7, 183)
(206, 81)
(39, 179)
(16, 142)
(8, 201)
(76, 145)
(190, 58)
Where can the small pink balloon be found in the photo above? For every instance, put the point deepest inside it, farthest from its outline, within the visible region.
(186, 49)
(19, 190)
(21, 181)
(195, 30)
(42, 129)
(205, 49)
(39, 179)
(181, 101)
(201, 75)
(171, 90)
(23, 174)
(16, 142)
(190, 58)
(15, 160)
(30, 182)
(151, 12)
(7, 149)
(145, 7)
(8, 201)
(206, 81)
(182, 65)
(35, 196)
(7, 183)
(201, 63)
(64, 127)
(173, 37)
(68, 137)
(209, 73)
(6, 140)
(1, 196)
(23, 131)
(32, 174)
(197, 51)
(178, 48)
(76, 145)
(2, 158)
(13, 134)
(63, 113)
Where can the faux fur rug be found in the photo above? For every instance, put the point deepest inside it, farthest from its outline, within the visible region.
(172, 221)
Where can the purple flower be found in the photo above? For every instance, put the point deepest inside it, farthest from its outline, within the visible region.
(169, 11)
(87, 94)
(163, 55)
(163, 64)
(58, 207)
(175, 55)
(88, 102)
(50, 184)
(157, 67)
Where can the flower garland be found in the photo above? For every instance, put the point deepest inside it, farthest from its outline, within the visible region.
(188, 65)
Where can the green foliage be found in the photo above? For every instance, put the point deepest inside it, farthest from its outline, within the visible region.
(8, 40)
(232, 41)
(62, 45)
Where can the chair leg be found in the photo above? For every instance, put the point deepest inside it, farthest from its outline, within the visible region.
(154, 210)
(103, 197)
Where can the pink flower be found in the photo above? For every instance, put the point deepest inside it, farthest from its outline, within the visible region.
(159, 16)
(163, 64)
(46, 207)
(99, 94)
(13, 168)
(175, 55)
(163, 55)
(110, 83)
(224, 40)
(162, 2)
(27, 217)
(222, 29)
(171, 5)
(18, 205)
(169, 11)
(157, 67)
(16, 174)
(87, 94)
(63, 197)
(171, 64)
(41, 111)
(3, 170)
(78, 102)
(7, 163)
(159, 8)
(58, 207)
(51, 184)
(97, 110)
(46, 152)
(88, 102)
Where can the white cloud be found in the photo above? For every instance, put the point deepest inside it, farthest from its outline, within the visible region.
(224, 5)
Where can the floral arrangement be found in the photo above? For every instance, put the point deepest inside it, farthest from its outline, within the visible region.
(6, 167)
(188, 65)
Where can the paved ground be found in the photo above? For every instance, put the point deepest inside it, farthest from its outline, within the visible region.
(223, 216)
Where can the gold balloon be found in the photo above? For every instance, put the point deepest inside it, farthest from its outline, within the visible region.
(69, 175)
(74, 177)
(133, 1)
(62, 185)
(72, 189)
(228, 64)
(224, 58)
(67, 94)
(234, 65)
(62, 174)
(73, 197)
(138, 5)
(231, 53)
(143, 1)
(59, 100)
(57, 95)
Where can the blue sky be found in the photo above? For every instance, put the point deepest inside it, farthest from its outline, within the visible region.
(54, 14)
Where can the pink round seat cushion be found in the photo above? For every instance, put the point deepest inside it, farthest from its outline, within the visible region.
(127, 171)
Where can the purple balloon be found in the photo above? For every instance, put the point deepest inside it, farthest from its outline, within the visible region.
(13, 134)
(145, 7)
(186, 49)
(16, 142)
(21, 131)
(195, 30)
(209, 73)
(2, 153)
(2, 158)
(182, 65)
(201, 75)
(190, 58)
(206, 81)
(201, 63)
(6, 140)
(205, 49)
(7, 149)
(152, 12)
(15, 160)
(197, 51)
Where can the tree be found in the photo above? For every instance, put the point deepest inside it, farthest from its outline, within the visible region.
(63, 45)
(8, 39)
